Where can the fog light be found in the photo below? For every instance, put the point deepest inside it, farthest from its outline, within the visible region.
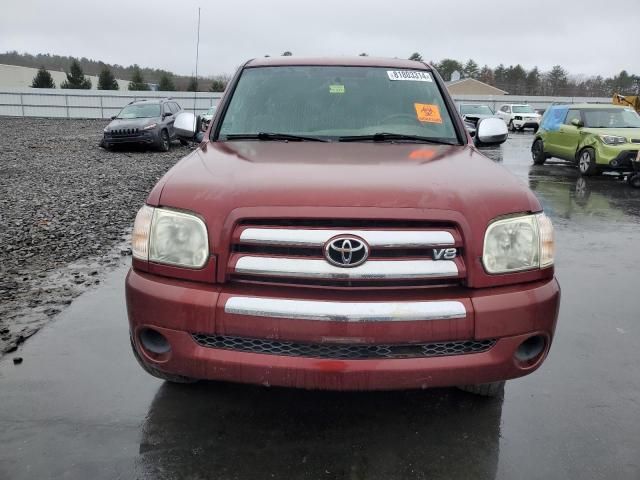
(531, 349)
(154, 341)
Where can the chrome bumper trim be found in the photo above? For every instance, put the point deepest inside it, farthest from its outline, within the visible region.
(375, 238)
(345, 311)
(371, 270)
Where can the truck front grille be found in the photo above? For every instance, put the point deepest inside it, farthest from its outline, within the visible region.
(342, 351)
(400, 253)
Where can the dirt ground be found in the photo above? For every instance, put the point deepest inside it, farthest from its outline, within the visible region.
(66, 209)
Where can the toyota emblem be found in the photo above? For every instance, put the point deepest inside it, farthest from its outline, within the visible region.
(346, 251)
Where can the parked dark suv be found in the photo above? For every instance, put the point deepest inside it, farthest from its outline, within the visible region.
(148, 122)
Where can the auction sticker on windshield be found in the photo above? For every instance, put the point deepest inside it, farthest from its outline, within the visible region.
(428, 113)
(411, 75)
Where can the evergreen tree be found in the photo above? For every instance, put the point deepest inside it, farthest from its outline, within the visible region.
(557, 81)
(533, 82)
(106, 80)
(447, 66)
(137, 80)
(193, 85)
(471, 69)
(217, 85)
(416, 57)
(500, 77)
(166, 84)
(76, 78)
(516, 79)
(43, 79)
(622, 83)
(486, 75)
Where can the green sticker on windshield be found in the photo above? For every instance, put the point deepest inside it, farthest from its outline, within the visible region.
(336, 88)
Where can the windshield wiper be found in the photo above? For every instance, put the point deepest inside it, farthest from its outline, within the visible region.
(272, 136)
(384, 137)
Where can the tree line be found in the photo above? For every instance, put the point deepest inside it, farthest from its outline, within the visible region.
(516, 80)
(107, 81)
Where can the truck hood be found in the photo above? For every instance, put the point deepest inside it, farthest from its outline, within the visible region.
(221, 177)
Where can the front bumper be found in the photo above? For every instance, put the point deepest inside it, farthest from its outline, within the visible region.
(617, 157)
(526, 123)
(184, 311)
(146, 137)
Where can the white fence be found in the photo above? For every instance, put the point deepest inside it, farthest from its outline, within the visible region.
(494, 101)
(32, 102)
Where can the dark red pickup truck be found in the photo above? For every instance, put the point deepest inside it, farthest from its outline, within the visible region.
(337, 228)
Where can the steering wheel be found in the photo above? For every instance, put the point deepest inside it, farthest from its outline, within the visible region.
(405, 116)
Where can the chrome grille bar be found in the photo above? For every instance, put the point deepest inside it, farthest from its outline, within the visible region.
(371, 270)
(345, 311)
(318, 237)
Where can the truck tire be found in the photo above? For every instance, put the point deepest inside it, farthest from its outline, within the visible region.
(495, 389)
(157, 373)
(537, 152)
(587, 162)
(511, 127)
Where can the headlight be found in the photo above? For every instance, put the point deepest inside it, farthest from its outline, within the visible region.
(612, 139)
(519, 243)
(149, 127)
(170, 237)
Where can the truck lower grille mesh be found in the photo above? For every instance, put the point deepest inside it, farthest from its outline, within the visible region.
(342, 351)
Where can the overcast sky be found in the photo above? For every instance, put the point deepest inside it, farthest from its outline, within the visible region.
(585, 36)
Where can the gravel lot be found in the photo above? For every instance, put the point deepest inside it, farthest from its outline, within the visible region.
(66, 210)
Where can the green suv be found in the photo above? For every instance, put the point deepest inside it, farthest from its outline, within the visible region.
(595, 137)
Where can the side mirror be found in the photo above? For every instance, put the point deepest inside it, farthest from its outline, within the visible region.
(576, 122)
(491, 131)
(199, 137)
(113, 117)
(186, 126)
(166, 114)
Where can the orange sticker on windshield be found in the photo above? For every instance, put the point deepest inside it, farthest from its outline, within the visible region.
(428, 113)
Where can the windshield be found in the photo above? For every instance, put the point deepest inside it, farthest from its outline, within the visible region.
(613, 118)
(140, 110)
(335, 102)
(475, 110)
(523, 109)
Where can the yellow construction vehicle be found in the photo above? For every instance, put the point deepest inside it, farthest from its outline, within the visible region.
(627, 101)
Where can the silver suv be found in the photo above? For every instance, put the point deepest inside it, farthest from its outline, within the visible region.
(146, 122)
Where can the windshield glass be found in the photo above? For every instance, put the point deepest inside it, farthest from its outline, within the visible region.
(140, 110)
(475, 110)
(614, 118)
(523, 109)
(334, 102)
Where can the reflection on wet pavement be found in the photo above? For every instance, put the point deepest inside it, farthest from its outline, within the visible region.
(250, 432)
(80, 407)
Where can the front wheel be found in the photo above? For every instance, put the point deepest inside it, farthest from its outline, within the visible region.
(634, 180)
(165, 143)
(511, 127)
(587, 162)
(537, 152)
(494, 389)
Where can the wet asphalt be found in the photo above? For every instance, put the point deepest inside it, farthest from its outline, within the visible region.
(79, 407)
